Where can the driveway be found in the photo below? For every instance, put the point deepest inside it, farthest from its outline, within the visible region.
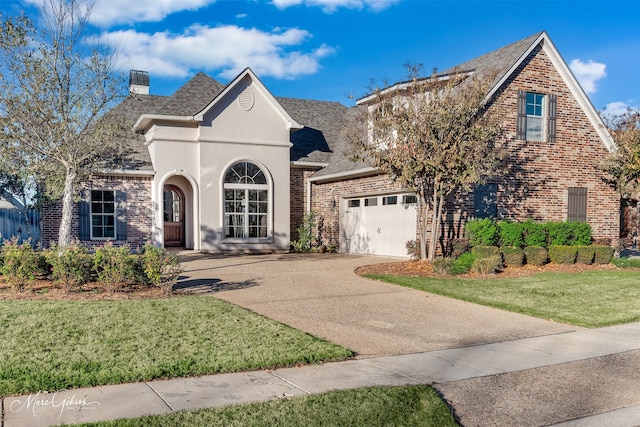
(320, 294)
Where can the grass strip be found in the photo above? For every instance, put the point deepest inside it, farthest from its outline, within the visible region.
(48, 345)
(590, 299)
(374, 406)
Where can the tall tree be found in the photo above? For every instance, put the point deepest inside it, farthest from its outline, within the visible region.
(56, 84)
(432, 135)
(622, 167)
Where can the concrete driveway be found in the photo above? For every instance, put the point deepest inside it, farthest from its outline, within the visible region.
(320, 294)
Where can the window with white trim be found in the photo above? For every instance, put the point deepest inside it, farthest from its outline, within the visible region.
(246, 202)
(103, 214)
(536, 116)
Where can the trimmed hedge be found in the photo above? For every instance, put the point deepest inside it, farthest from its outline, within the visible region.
(535, 233)
(563, 254)
(511, 233)
(536, 255)
(512, 256)
(585, 255)
(603, 254)
(481, 251)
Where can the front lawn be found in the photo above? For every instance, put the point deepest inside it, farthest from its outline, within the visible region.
(53, 345)
(376, 406)
(591, 298)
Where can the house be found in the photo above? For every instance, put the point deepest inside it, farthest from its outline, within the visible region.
(231, 168)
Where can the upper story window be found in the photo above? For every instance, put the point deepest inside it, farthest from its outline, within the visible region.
(246, 202)
(536, 116)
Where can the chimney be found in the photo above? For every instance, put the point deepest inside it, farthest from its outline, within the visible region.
(139, 82)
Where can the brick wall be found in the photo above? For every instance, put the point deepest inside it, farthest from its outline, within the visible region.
(138, 211)
(539, 176)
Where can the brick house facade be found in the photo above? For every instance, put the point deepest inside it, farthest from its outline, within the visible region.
(193, 140)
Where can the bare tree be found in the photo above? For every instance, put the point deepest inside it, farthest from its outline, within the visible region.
(56, 84)
(432, 135)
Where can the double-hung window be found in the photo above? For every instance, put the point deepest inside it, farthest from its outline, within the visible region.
(536, 116)
(103, 214)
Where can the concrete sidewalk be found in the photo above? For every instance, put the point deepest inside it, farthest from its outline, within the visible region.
(580, 378)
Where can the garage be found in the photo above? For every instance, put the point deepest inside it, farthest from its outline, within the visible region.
(378, 225)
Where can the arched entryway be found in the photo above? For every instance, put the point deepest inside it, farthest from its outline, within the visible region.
(173, 214)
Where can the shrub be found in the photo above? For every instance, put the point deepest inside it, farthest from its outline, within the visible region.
(585, 254)
(481, 232)
(462, 264)
(487, 265)
(512, 256)
(485, 251)
(511, 233)
(413, 249)
(603, 254)
(536, 255)
(441, 265)
(306, 234)
(70, 266)
(626, 262)
(563, 254)
(569, 233)
(113, 265)
(21, 263)
(161, 267)
(456, 247)
(535, 233)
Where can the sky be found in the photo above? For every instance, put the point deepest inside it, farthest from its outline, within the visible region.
(333, 50)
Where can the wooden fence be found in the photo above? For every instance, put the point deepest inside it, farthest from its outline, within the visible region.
(12, 223)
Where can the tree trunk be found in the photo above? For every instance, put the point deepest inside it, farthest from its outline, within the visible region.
(423, 216)
(434, 225)
(64, 232)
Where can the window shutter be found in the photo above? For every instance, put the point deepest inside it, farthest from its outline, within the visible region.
(577, 204)
(121, 215)
(551, 119)
(485, 199)
(84, 217)
(521, 132)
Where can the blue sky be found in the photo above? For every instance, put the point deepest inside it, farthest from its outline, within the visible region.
(333, 49)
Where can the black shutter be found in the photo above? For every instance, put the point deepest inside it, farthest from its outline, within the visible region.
(551, 119)
(84, 217)
(577, 204)
(485, 201)
(521, 132)
(121, 215)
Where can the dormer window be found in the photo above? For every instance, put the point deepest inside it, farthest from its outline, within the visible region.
(536, 116)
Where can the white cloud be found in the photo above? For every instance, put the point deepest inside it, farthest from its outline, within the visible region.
(227, 48)
(617, 108)
(588, 73)
(110, 12)
(330, 6)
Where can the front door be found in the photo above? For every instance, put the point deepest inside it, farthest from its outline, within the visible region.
(173, 216)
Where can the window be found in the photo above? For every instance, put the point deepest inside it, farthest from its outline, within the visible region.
(353, 203)
(103, 214)
(172, 206)
(409, 199)
(536, 116)
(390, 200)
(246, 202)
(485, 201)
(577, 204)
(373, 201)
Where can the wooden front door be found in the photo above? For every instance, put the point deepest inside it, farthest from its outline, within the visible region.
(173, 216)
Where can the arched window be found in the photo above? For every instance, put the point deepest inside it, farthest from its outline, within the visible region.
(246, 202)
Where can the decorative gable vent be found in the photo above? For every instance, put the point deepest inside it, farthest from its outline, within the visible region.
(246, 99)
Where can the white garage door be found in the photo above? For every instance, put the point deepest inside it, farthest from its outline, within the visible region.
(378, 225)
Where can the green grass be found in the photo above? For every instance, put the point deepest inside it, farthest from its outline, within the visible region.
(626, 262)
(57, 345)
(376, 406)
(591, 299)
